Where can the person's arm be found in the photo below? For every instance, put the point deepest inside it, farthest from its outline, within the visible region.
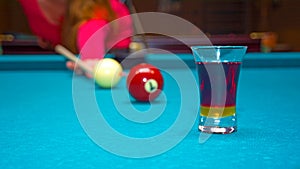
(91, 39)
(53, 10)
(44, 22)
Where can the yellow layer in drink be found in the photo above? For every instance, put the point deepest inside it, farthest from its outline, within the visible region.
(217, 112)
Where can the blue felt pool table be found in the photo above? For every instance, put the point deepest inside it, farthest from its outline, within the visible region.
(41, 128)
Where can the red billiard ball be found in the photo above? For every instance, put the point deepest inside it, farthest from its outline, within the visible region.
(144, 82)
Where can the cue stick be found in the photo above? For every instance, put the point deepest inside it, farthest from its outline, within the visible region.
(68, 54)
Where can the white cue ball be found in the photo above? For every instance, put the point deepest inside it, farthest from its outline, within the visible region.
(107, 73)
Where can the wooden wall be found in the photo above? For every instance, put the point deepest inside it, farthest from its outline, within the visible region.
(12, 18)
(211, 16)
(285, 20)
(239, 16)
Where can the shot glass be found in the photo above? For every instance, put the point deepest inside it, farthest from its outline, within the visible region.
(218, 72)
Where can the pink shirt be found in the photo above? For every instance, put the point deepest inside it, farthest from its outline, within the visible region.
(103, 39)
(39, 24)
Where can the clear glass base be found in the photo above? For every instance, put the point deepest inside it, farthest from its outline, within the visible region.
(217, 129)
(225, 125)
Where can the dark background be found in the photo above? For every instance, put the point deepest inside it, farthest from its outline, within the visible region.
(211, 16)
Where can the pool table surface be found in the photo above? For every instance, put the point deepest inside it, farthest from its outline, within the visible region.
(41, 128)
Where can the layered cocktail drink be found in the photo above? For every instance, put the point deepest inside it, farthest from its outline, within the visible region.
(218, 71)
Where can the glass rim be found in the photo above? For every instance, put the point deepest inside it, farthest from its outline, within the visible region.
(219, 47)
